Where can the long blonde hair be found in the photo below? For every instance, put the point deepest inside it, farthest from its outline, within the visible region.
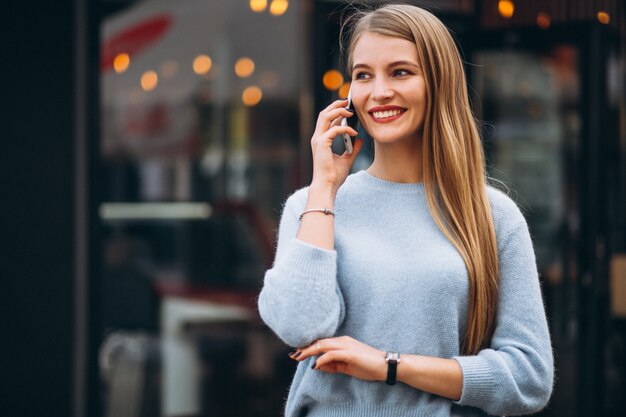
(452, 155)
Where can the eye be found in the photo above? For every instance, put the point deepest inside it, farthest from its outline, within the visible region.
(360, 76)
(401, 73)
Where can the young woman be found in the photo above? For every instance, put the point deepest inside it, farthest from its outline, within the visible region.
(414, 270)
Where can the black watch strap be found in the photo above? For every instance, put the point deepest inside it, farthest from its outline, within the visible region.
(392, 359)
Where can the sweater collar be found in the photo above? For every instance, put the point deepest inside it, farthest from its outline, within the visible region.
(389, 186)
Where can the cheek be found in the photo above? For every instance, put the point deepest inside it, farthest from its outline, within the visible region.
(359, 104)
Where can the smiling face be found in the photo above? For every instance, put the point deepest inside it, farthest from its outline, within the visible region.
(388, 89)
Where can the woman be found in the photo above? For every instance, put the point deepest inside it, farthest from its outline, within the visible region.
(415, 259)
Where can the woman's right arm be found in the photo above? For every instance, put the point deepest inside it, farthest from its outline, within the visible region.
(300, 300)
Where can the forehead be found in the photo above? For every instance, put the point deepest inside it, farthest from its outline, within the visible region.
(373, 48)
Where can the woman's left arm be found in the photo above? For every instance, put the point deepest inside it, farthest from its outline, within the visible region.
(348, 356)
(515, 374)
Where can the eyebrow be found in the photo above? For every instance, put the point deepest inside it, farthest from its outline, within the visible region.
(390, 65)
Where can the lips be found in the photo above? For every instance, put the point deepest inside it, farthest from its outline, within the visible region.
(384, 114)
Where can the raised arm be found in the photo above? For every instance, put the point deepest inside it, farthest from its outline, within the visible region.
(300, 300)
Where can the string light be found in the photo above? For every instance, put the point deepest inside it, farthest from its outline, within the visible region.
(244, 67)
(169, 69)
(149, 80)
(332, 80)
(202, 64)
(343, 91)
(258, 5)
(121, 63)
(270, 79)
(543, 20)
(506, 8)
(604, 18)
(252, 95)
(278, 7)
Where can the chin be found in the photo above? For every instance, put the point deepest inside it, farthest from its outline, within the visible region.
(393, 137)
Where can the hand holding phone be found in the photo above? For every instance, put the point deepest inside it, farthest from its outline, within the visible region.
(349, 121)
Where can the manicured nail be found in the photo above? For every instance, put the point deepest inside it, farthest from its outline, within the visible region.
(297, 355)
(350, 110)
(292, 352)
(314, 363)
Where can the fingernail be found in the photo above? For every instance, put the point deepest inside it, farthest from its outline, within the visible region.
(314, 363)
(350, 110)
(292, 352)
(297, 355)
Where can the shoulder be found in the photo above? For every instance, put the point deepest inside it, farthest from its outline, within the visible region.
(506, 214)
(297, 200)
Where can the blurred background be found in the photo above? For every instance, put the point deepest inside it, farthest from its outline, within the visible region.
(148, 146)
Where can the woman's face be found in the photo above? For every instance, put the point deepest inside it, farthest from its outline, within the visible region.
(388, 89)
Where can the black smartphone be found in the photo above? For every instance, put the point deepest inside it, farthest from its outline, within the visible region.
(349, 121)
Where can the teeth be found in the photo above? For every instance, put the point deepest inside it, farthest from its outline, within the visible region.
(385, 114)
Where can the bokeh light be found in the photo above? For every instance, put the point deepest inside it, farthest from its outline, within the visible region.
(169, 68)
(269, 79)
(252, 95)
(121, 63)
(149, 80)
(343, 91)
(244, 67)
(278, 7)
(332, 80)
(258, 5)
(543, 20)
(604, 18)
(506, 8)
(202, 64)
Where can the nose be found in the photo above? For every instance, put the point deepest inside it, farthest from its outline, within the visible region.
(381, 90)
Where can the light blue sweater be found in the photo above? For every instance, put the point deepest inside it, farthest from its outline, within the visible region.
(395, 282)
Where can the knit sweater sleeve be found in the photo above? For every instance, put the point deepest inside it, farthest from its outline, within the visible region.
(300, 300)
(515, 374)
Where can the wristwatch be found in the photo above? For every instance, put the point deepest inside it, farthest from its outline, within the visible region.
(393, 359)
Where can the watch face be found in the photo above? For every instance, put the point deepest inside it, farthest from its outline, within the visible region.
(393, 357)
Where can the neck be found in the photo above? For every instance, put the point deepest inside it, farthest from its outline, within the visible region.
(397, 162)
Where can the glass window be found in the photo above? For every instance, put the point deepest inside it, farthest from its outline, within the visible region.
(200, 146)
(530, 105)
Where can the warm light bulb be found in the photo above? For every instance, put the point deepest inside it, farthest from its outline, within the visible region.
(252, 95)
(202, 64)
(258, 5)
(270, 79)
(169, 69)
(506, 8)
(332, 80)
(278, 7)
(543, 20)
(121, 63)
(604, 18)
(244, 67)
(149, 80)
(343, 91)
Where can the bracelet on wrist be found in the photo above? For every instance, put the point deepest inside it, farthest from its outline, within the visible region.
(326, 211)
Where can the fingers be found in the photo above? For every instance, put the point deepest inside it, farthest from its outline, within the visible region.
(328, 358)
(315, 349)
(331, 114)
(331, 134)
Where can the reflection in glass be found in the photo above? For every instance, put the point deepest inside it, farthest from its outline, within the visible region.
(198, 159)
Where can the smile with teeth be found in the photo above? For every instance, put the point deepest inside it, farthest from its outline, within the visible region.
(387, 113)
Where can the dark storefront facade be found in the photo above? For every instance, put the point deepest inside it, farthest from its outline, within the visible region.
(192, 122)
